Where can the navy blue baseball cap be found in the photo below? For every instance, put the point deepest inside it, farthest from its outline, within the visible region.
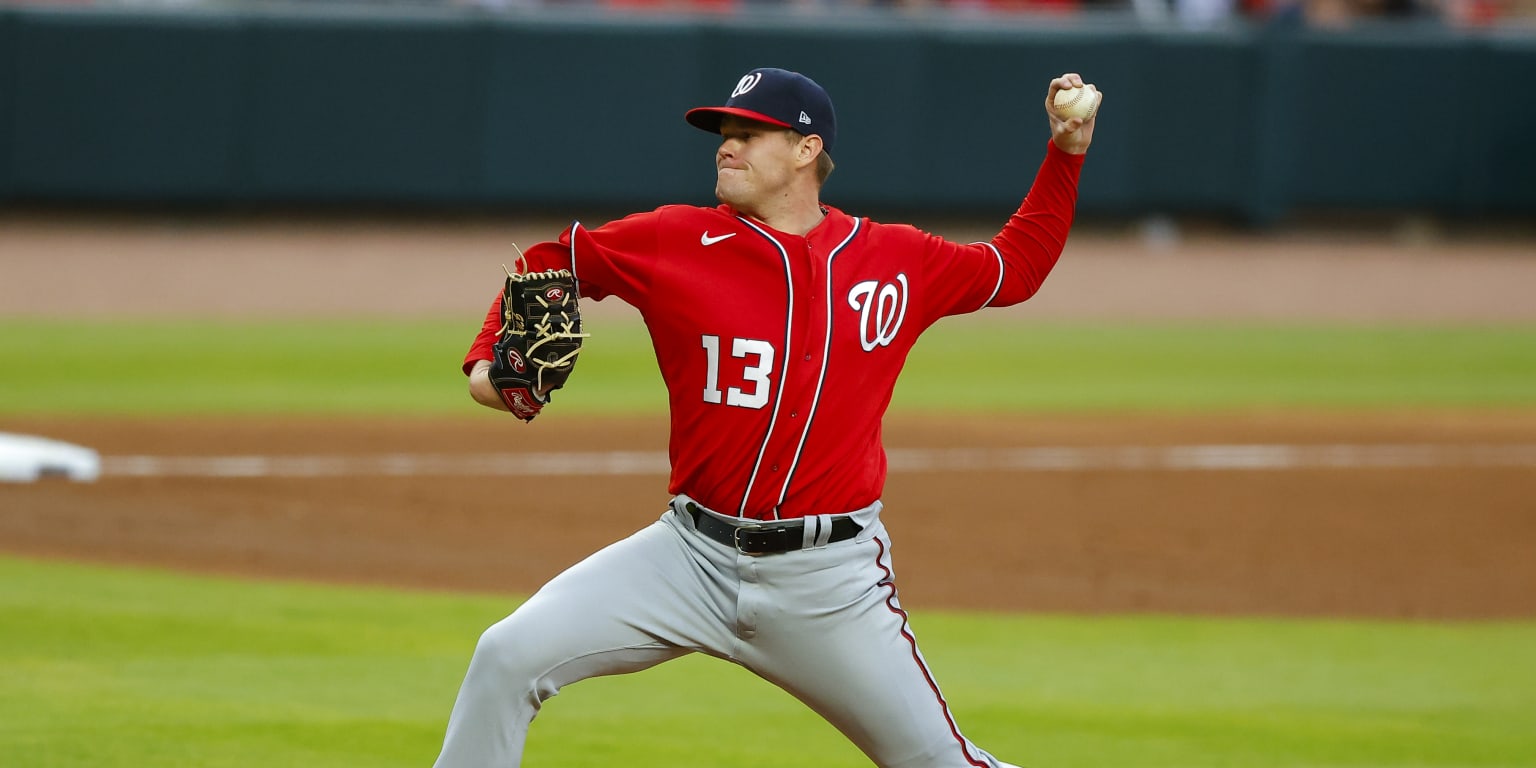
(777, 97)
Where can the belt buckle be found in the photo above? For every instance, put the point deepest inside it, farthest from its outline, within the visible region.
(736, 538)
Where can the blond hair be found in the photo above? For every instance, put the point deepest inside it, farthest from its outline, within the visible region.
(824, 166)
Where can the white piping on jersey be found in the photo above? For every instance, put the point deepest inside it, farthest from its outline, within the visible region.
(821, 378)
(1001, 271)
(778, 399)
(575, 225)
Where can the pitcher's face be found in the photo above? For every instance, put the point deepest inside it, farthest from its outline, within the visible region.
(754, 164)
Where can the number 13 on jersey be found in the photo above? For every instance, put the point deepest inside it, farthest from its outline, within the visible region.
(755, 373)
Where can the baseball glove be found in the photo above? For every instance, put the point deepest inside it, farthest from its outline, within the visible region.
(539, 339)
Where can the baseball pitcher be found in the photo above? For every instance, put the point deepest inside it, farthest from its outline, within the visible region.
(780, 325)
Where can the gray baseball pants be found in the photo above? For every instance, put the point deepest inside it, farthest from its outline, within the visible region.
(823, 623)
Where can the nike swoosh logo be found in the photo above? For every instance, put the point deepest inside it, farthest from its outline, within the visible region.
(705, 239)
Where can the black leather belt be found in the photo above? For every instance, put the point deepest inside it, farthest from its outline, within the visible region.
(766, 537)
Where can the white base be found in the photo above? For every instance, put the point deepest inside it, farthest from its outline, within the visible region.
(25, 459)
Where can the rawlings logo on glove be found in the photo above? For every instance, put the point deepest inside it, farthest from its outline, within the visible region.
(539, 339)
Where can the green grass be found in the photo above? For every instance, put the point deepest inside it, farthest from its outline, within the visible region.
(120, 668)
(393, 366)
(1192, 368)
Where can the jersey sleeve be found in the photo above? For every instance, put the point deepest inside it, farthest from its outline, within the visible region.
(1012, 266)
(615, 259)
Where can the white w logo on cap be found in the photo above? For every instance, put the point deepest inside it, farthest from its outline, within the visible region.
(747, 83)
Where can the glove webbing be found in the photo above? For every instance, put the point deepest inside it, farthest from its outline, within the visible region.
(544, 332)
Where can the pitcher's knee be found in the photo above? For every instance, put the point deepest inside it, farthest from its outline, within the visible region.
(507, 653)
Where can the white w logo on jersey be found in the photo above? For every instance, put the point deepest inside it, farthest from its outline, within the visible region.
(881, 308)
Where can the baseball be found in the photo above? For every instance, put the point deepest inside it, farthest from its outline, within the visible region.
(1077, 102)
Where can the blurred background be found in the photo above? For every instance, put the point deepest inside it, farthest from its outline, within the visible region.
(1252, 481)
(1253, 113)
(1301, 223)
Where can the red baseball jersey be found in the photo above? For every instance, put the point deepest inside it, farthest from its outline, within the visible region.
(780, 352)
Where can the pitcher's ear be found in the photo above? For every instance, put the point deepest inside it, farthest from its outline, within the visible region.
(810, 146)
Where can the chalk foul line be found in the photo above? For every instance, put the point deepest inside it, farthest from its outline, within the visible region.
(1166, 458)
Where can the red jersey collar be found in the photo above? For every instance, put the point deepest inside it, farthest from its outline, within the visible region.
(829, 213)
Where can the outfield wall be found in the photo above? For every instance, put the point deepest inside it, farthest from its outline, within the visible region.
(450, 109)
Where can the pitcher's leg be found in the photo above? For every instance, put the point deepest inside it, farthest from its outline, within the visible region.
(840, 642)
(627, 607)
(514, 671)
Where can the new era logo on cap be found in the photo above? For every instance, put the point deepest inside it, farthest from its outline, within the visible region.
(778, 97)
